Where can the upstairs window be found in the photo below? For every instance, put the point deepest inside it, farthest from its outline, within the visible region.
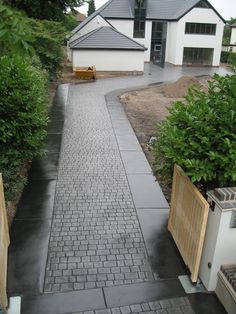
(200, 28)
(139, 29)
(139, 18)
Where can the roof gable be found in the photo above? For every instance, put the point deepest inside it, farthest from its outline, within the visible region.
(156, 9)
(106, 38)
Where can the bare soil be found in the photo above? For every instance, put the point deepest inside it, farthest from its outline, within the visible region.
(147, 107)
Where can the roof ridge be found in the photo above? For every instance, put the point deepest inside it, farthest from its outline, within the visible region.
(90, 17)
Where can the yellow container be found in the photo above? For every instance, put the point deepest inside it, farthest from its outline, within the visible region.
(85, 73)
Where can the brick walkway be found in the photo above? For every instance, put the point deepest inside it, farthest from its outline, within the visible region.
(95, 239)
(169, 306)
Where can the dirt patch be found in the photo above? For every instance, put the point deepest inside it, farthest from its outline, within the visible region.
(147, 107)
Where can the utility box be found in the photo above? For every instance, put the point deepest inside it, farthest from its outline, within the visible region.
(220, 240)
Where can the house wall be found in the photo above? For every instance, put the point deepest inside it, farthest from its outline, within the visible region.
(96, 22)
(174, 51)
(109, 60)
(229, 48)
(127, 28)
(233, 36)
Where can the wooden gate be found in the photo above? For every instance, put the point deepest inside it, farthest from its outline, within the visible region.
(188, 220)
(4, 243)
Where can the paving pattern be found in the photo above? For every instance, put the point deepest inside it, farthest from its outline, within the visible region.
(169, 306)
(95, 238)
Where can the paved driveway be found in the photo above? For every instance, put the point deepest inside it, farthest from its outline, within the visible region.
(106, 226)
(96, 240)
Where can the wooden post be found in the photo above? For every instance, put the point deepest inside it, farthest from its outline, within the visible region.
(4, 243)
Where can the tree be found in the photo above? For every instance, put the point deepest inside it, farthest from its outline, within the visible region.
(227, 30)
(91, 7)
(45, 9)
(15, 32)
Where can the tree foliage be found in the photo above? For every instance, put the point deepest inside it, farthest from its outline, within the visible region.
(91, 7)
(200, 135)
(45, 9)
(227, 30)
(15, 33)
(48, 44)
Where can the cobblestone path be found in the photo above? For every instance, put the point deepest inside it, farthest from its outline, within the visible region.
(95, 239)
(169, 306)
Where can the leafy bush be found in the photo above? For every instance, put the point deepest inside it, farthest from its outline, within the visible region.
(228, 57)
(48, 41)
(200, 135)
(224, 56)
(23, 116)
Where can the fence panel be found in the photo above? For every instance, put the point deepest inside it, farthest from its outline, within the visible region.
(4, 243)
(188, 220)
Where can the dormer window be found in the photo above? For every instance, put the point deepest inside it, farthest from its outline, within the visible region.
(139, 18)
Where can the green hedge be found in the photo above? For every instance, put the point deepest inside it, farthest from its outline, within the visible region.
(228, 57)
(23, 117)
(200, 135)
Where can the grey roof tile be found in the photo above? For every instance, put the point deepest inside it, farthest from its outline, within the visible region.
(106, 38)
(156, 10)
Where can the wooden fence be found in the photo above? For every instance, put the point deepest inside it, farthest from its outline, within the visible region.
(188, 220)
(4, 243)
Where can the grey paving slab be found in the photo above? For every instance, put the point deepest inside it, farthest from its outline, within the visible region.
(163, 255)
(122, 127)
(154, 307)
(61, 303)
(135, 163)
(28, 256)
(146, 191)
(128, 143)
(37, 200)
(116, 112)
(142, 292)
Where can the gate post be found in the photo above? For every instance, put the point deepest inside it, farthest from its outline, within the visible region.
(220, 239)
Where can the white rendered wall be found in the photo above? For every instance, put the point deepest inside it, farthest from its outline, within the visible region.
(233, 36)
(109, 60)
(219, 246)
(126, 27)
(174, 54)
(96, 22)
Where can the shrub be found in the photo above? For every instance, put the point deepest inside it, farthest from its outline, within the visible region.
(224, 56)
(200, 135)
(23, 115)
(228, 57)
(48, 41)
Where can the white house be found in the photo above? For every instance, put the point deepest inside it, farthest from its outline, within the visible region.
(181, 32)
(232, 46)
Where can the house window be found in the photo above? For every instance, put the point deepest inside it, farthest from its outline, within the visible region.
(139, 18)
(198, 56)
(200, 28)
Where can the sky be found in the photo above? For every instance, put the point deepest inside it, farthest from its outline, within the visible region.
(226, 8)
